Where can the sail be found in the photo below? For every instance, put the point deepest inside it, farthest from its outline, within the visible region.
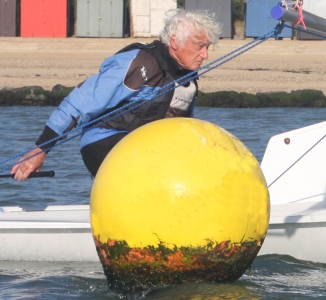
(315, 7)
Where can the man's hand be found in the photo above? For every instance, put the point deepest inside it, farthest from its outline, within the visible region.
(33, 164)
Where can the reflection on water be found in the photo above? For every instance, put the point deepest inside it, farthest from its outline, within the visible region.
(272, 277)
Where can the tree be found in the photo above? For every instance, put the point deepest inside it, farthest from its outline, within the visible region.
(181, 3)
(237, 10)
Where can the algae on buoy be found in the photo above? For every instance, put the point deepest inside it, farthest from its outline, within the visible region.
(178, 200)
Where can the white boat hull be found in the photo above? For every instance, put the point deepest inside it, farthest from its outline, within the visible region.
(61, 233)
(294, 165)
(298, 230)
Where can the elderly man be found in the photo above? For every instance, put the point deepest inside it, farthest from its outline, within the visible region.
(134, 74)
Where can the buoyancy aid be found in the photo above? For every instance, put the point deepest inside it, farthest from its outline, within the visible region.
(128, 118)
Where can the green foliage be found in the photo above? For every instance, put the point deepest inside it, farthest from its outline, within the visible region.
(233, 99)
(181, 3)
(237, 10)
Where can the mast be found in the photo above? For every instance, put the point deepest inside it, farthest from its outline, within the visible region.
(296, 17)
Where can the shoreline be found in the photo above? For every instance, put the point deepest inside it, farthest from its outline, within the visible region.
(37, 96)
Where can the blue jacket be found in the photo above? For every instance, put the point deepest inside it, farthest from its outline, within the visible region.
(126, 77)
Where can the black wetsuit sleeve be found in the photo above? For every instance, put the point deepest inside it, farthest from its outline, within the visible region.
(47, 135)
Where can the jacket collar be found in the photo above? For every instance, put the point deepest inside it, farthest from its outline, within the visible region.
(175, 69)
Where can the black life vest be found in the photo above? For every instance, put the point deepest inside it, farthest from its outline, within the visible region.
(131, 115)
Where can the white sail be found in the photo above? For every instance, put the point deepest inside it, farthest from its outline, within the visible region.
(315, 7)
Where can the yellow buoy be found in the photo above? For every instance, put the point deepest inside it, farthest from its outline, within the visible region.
(178, 200)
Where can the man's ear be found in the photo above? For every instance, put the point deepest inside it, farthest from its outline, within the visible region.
(173, 42)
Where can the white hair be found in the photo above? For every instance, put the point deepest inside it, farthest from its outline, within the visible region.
(183, 24)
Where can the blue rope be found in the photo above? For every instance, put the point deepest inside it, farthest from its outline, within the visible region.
(163, 90)
(306, 31)
(291, 166)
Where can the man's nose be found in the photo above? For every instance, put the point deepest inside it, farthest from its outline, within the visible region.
(204, 52)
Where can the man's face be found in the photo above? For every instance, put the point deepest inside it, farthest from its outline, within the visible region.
(191, 54)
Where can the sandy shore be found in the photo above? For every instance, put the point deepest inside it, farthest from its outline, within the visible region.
(283, 65)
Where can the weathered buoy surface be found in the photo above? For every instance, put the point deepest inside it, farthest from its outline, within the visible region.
(178, 200)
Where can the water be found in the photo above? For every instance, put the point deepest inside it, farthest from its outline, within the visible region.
(272, 276)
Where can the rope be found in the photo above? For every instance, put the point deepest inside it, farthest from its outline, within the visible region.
(304, 154)
(151, 96)
(306, 31)
(298, 7)
(287, 3)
